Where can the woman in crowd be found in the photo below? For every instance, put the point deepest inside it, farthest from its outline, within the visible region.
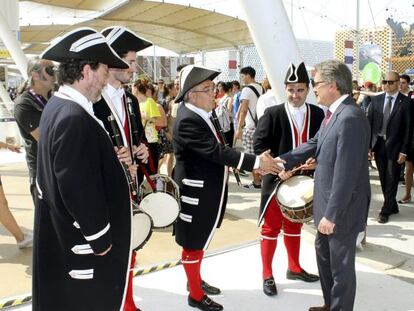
(150, 113)
(6, 217)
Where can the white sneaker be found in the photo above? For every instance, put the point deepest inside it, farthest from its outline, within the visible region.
(27, 241)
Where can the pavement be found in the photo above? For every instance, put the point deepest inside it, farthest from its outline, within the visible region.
(385, 266)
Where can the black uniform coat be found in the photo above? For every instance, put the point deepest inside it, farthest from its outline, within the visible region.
(103, 110)
(83, 208)
(201, 174)
(275, 132)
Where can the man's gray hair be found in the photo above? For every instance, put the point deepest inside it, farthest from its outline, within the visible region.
(336, 71)
(34, 65)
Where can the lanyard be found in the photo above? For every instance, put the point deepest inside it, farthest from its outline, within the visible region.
(39, 99)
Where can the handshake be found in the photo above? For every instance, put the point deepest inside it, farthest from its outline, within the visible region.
(274, 166)
(269, 165)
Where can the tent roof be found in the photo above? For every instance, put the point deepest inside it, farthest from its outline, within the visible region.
(182, 29)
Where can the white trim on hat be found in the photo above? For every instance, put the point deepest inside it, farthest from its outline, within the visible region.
(114, 34)
(184, 74)
(295, 71)
(87, 41)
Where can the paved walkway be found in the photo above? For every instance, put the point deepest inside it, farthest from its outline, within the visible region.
(387, 261)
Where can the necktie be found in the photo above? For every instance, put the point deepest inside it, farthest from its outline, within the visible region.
(326, 119)
(386, 116)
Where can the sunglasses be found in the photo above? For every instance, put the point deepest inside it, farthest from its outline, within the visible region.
(50, 70)
(389, 82)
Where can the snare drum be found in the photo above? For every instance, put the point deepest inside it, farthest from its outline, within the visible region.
(163, 203)
(295, 198)
(141, 229)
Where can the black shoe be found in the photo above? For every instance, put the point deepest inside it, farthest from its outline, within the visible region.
(206, 304)
(382, 219)
(208, 289)
(303, 276)
(269, 287)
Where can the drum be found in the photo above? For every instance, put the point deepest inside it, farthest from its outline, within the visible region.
(295, 198)
(141, 229)
(163, 203)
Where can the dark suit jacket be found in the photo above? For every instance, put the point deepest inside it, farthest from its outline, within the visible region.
(83, 207)
(399, 125)
(342, 190)
(201, 175)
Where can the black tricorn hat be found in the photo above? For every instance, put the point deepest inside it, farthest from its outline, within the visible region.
(86, 44)
(297, 75)
(193, 75)
(122, 39)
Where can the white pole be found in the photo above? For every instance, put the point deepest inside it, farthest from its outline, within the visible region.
(274, 39)
(357, 43)
(13, 45)
(154, 63)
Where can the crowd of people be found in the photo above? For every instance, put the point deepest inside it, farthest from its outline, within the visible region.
(93, 139)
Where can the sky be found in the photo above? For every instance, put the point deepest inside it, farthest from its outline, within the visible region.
(311, 19)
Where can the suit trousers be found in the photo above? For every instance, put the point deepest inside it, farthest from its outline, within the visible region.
(335, 255)
(389, 173)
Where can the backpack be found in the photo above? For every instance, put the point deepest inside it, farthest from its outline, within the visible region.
(223, 115)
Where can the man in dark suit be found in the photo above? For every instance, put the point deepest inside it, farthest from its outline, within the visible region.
(281, 129)
(389, 116)
(201, 172)
(342, 190)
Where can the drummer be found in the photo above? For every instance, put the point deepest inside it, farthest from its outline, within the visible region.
(281, 129)
(123, 106)
(201, 173)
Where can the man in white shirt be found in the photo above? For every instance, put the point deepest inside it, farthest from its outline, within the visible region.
(247, 116)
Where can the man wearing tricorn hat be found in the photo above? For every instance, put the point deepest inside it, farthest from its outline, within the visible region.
(124, 108)
(83, 218)
(281, 129)
(201, 171)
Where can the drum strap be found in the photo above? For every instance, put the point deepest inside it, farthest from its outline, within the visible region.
(147, 176)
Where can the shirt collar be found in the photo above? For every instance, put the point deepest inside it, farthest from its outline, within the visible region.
(302, 108)
(336, 103)
(69, 93)
(202, 113)
(113, 92)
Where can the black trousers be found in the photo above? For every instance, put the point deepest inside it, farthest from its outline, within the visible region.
(389, 173)
(335, 255)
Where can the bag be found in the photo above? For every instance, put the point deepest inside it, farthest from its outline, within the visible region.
(223, 117)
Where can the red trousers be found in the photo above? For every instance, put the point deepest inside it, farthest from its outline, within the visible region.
(191, 260)
(274, 222)
(129, 299)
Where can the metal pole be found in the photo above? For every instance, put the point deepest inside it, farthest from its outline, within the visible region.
(13, 46)
(277, 45)
(154, 63)
(357, 43)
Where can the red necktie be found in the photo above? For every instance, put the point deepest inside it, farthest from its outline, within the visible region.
(326, 119)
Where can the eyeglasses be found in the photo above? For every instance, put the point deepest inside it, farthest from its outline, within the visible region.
(203, 91)
(50, 70)
(315, 84)
(389, 82)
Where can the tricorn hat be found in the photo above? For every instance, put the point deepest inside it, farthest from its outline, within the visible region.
(122, 39)
(297, 75)
(191, 76)
(86, 44)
